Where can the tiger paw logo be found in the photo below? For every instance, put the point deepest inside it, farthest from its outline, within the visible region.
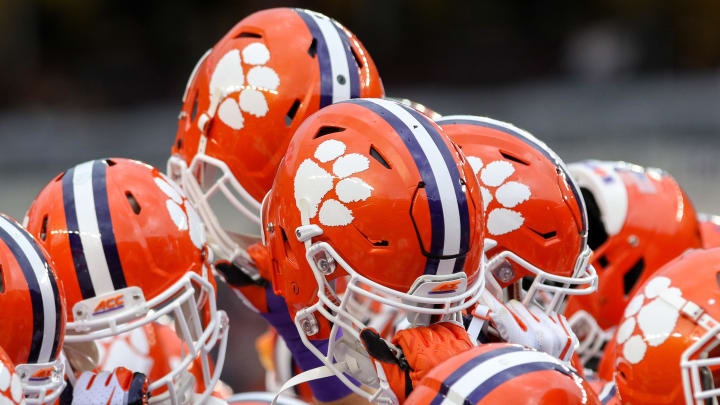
(181, 212)
(313, 183)
(648, 320)
(229, 78)
(10, 386)
(508, 194)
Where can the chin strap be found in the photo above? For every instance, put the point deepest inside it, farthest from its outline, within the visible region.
(384, 395)
(312, 374)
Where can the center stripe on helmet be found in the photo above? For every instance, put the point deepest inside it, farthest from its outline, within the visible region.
(489, 373)
(97, 264)
(529, 139)
(440, 175)
(338, 72)
(469, 365)
(43, 292)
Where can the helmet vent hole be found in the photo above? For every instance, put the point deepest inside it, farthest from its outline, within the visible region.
(43, 228)
(546, 235)
(381, 243)
(193, 114)
(357, 60)
(514, 158)
(246, 34)
(327, 130)
(377, 156)
(2, 281)
(290, 116)
(603, 261)
(133, 202)
(60, 176)
(110, 162)
(633, 275)
(312, 50)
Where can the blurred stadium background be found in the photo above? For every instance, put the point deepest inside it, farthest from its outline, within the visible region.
(637, 81)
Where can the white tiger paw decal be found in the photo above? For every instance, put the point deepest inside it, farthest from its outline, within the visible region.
(500, 220)
(229, 77)
(181, 211)
(10, 386)
(312, 183)
(648, 320)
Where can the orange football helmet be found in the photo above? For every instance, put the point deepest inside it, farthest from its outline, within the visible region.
(534, 210)
(709, 230)
(11, 390)
(130, 250)
(245, 99)
(639, 220)
(668, 344)
(32, 315)
(501, 373)
(373, 191)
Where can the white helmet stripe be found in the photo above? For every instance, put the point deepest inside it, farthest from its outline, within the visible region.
(89, 230)
(39, 275)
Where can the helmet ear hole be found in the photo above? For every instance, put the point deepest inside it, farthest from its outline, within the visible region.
(2, 281)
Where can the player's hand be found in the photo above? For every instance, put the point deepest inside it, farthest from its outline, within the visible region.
(118, 387)
(531, 327)
(416, 351)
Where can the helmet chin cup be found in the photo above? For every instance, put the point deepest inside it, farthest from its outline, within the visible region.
(42, 383)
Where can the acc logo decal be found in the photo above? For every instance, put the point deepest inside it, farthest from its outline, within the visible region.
(109, 304)
(649, 320)
(444, 288)
(312, 183)
(500, 220)
(228, 77)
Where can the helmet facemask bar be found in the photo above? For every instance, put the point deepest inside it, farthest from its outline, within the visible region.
(700, 358)
(185, 302)
(226, 244)
(348, 349)
(42, 383)
(592, 338)
(583, 281)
